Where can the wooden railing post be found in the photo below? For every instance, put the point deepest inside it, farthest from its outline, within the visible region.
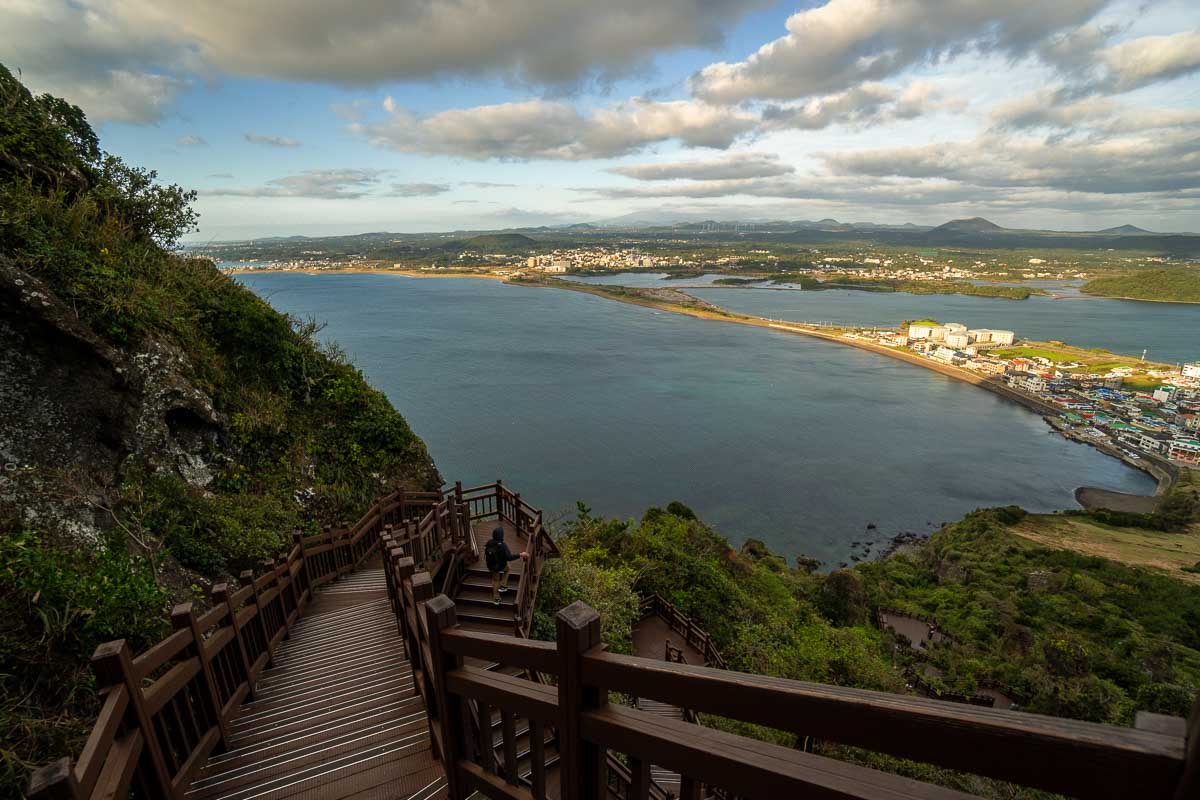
(458, 533)
(578, 631)
(1189, 782)
(464, 522)
(294, 581)
(283, 573)
(184, 618)
(458, 493)
(422, 591)
(247, 577)
(221, 594)
(440, 615)
(298, 538)
(113, 664)
(55, 781)
(405, 567)
(391, 560)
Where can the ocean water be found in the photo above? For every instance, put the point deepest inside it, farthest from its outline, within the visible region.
(1168, 332)
(799, 442)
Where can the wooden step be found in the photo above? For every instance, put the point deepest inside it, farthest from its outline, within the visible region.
(487, 626)
(470, 595)
(479, 571)
(486, 613)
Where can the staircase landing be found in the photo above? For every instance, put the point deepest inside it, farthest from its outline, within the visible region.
(651, 635)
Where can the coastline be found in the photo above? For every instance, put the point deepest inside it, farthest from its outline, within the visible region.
(1164, 477)
(1139, 299)
(368, 271)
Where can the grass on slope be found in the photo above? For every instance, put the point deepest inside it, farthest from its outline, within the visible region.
(1170, 553)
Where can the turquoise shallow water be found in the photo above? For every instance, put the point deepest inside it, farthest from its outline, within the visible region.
(799, 442)
(1169, 332)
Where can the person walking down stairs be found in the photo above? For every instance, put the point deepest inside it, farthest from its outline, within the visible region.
(497, 555)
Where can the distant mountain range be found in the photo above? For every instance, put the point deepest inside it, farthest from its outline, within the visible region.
(972, 225)
(971, 232)
(960, 233)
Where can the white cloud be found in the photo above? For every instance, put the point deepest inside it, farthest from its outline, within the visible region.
(127, 59)
(1165, 161)
(1097, 115)
(735, 166)
(191, 140)
(845, 43)
(1138, 62)
(488, 185)
(325, 184)
(270, 141)
(419, 189)
(110, 72)
(866, 104)
(543, 129)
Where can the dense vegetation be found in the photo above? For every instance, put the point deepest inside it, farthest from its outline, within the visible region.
(1066, 634)
(1179, 285)
(917, 287)
(764, 616)
(304, 439)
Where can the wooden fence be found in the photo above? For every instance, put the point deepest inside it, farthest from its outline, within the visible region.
(443, 538)
(164, 711)
(696, 636)
(1157, 759)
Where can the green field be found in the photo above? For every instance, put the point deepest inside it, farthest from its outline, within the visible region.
(1168, 553)
(1056, 356)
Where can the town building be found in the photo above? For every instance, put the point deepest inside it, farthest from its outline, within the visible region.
(1185, 451)
(957, 339)
(1191, 369)
(1027, 382)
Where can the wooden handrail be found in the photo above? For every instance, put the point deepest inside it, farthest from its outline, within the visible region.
(164, 710)
(210, 663)
(684, 626)
(1068, 756)
(1062, 755)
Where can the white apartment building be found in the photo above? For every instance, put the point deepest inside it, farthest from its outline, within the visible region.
(1034, 384)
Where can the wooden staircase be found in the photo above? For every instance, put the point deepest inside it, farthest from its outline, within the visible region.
(335, 674)
(478, 612)
(336, 715)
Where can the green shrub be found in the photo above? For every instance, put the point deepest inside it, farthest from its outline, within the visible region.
(56, 605)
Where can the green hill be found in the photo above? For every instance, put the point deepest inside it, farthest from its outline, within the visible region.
(1177, 285)
(167, 426)
(504, 242)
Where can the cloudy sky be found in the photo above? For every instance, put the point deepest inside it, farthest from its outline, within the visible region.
(309, 116)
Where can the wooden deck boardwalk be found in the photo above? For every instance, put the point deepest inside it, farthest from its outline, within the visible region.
(336, 715)
(299, 683)
(651, 637)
